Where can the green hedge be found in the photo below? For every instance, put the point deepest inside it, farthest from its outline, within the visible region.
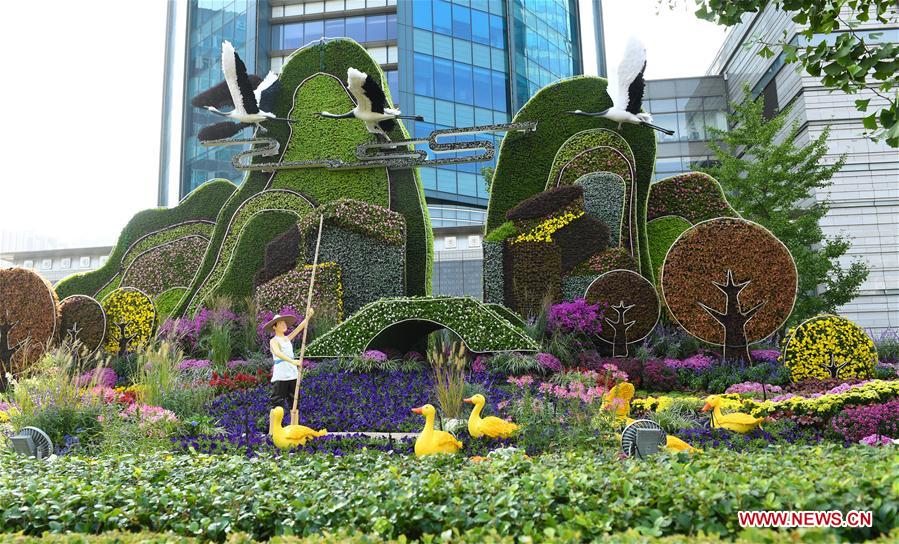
(471, 536)
(203, 203)
(494, 272)
(525, 159)
(595, 495)
(589, 141)
(333, 57)
(662, 232)
(480, 327)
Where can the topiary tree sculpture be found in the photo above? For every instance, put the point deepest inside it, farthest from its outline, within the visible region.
(633, 308)
(82, 318)
(729, 282)
(828, 346)
(28, 319)
(131, 320)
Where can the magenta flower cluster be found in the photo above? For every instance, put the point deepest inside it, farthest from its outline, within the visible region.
(696, 363)
(549, 362)
(479, 364)
(192, 364)
(577, 317)
(764, 354)
(876, 440)
(104, 377)
(854, 424)
(374, 355)
(753, 388)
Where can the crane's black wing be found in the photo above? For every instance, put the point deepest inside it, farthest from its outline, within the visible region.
(387, 125)
(246, 88)
(635, 92)
(268, 96)
(219, 96)
(375, 94)
(220, 131)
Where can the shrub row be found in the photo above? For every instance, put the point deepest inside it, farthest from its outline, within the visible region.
(595, 496)
(693, 196)
(582, 142)
(482, 329)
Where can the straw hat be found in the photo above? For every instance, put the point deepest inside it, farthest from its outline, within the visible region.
(289, 319)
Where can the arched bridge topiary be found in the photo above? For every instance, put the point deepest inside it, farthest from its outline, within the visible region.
(400, 323)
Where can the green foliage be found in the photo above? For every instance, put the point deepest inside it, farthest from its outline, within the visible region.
(494, 272)
(502, 232)
(662, 232)
(525, 159)
(157, 372)
(369, 267)
(202, 204)
(321, 138)
(770, 183)
(363, 365)
(853, 63)
(604, 199)
(506, 313)
(588, 141)
(167, 301)
(480, 328)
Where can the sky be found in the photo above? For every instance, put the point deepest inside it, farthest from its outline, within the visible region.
(89, 77)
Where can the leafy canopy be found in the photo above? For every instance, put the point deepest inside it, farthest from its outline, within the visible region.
(769, 180)
(854, 62)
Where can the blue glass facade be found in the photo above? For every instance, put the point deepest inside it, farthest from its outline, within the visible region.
(245, 24)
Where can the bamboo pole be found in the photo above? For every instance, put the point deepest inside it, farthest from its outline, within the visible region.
(294, 413)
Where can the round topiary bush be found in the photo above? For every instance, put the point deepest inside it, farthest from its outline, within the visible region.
(828, 346)
(130, 320)
(83, 319)
(632, 307)
(28, 318)
(729, 282)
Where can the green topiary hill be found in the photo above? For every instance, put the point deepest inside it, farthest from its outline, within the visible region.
(149, 229)
(526, 159)
(310, 82)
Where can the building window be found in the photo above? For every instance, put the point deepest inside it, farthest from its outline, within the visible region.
(771, 107)
(449, 242)
(28, 264)
(86, 262)
(46, 264)
(66, 263)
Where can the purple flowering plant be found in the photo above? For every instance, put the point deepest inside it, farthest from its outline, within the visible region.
(576, 317)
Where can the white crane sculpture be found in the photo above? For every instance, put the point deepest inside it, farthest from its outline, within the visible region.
(628, 98)
(251, 106)
(372, 107)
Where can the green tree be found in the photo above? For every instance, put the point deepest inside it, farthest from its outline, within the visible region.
(487, 174)
(769, 180)
(853, 62)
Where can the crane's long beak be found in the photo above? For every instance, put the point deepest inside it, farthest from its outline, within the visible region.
(417, 410)
(469, 400)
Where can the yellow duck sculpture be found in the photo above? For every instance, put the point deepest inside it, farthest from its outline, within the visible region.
(618, 401)
(430, 441)
(493, 427)
(292, 435)
(737, 422)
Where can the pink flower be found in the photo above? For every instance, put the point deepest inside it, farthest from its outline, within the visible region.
(876, 440)
(522, 381)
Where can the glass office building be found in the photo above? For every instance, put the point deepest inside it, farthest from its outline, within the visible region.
(456, 63)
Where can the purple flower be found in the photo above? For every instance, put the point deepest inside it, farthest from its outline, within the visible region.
(753, 388)
(104, 377)
(764, 354)
(374, 355)
(576, 317)
(479, 364)
(856, 423)
(697, 363)
(549, 362)
(876, 440)
(189, 364)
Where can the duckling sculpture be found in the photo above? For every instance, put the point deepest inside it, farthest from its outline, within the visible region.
(430, 441)
(292, 435)
(618, 401)
(737, 422)
(491, 426)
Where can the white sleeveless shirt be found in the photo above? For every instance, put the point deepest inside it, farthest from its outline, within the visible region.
(284, 370)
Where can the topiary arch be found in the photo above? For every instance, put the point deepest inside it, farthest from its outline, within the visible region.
(399, 323)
